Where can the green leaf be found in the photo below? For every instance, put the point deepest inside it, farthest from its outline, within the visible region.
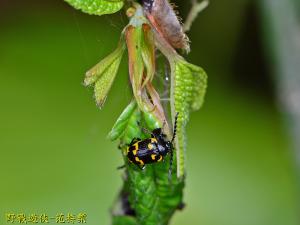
(124, 220)
(151, 121)
(97, 7)
(188, 88)
(199, 78)
(122, 122)
(103, 85)
(104, 73)
(100, 68)
(126, 126)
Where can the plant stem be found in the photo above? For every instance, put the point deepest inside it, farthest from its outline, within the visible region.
(197, 7)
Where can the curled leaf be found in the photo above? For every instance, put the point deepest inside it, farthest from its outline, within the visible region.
(134, 36)
(122, 122)
(148, 53)
(97, 7)
(151, 121)
(141, 53)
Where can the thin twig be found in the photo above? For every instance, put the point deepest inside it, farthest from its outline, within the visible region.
(197, 7)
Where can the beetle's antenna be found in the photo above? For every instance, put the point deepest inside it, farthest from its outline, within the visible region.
(121, 167)
(171, 152)
(171, 163)
(175, 127)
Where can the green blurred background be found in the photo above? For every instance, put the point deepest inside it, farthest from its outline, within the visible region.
(55, 157)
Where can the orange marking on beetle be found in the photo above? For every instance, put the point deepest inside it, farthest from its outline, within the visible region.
(153, 157)
(160, 159)
(141, 162)
(150, 146)
(136, 145)
(153, 140)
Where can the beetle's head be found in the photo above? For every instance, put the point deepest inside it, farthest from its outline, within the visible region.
(162, 140)
(159, 135)
(169, 146)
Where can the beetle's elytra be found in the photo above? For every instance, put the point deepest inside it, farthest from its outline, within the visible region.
(151, 150)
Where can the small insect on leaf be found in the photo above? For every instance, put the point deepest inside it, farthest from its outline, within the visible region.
(97, 7)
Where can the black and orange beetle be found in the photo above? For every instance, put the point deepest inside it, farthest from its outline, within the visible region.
(151, 150)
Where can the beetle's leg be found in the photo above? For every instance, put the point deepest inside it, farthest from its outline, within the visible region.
(121, 145)
(142, 167)
(181, 206)
(170, 168)
(121, 167)
(134, 140)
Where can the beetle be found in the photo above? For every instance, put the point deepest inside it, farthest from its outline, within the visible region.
(153, 149)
